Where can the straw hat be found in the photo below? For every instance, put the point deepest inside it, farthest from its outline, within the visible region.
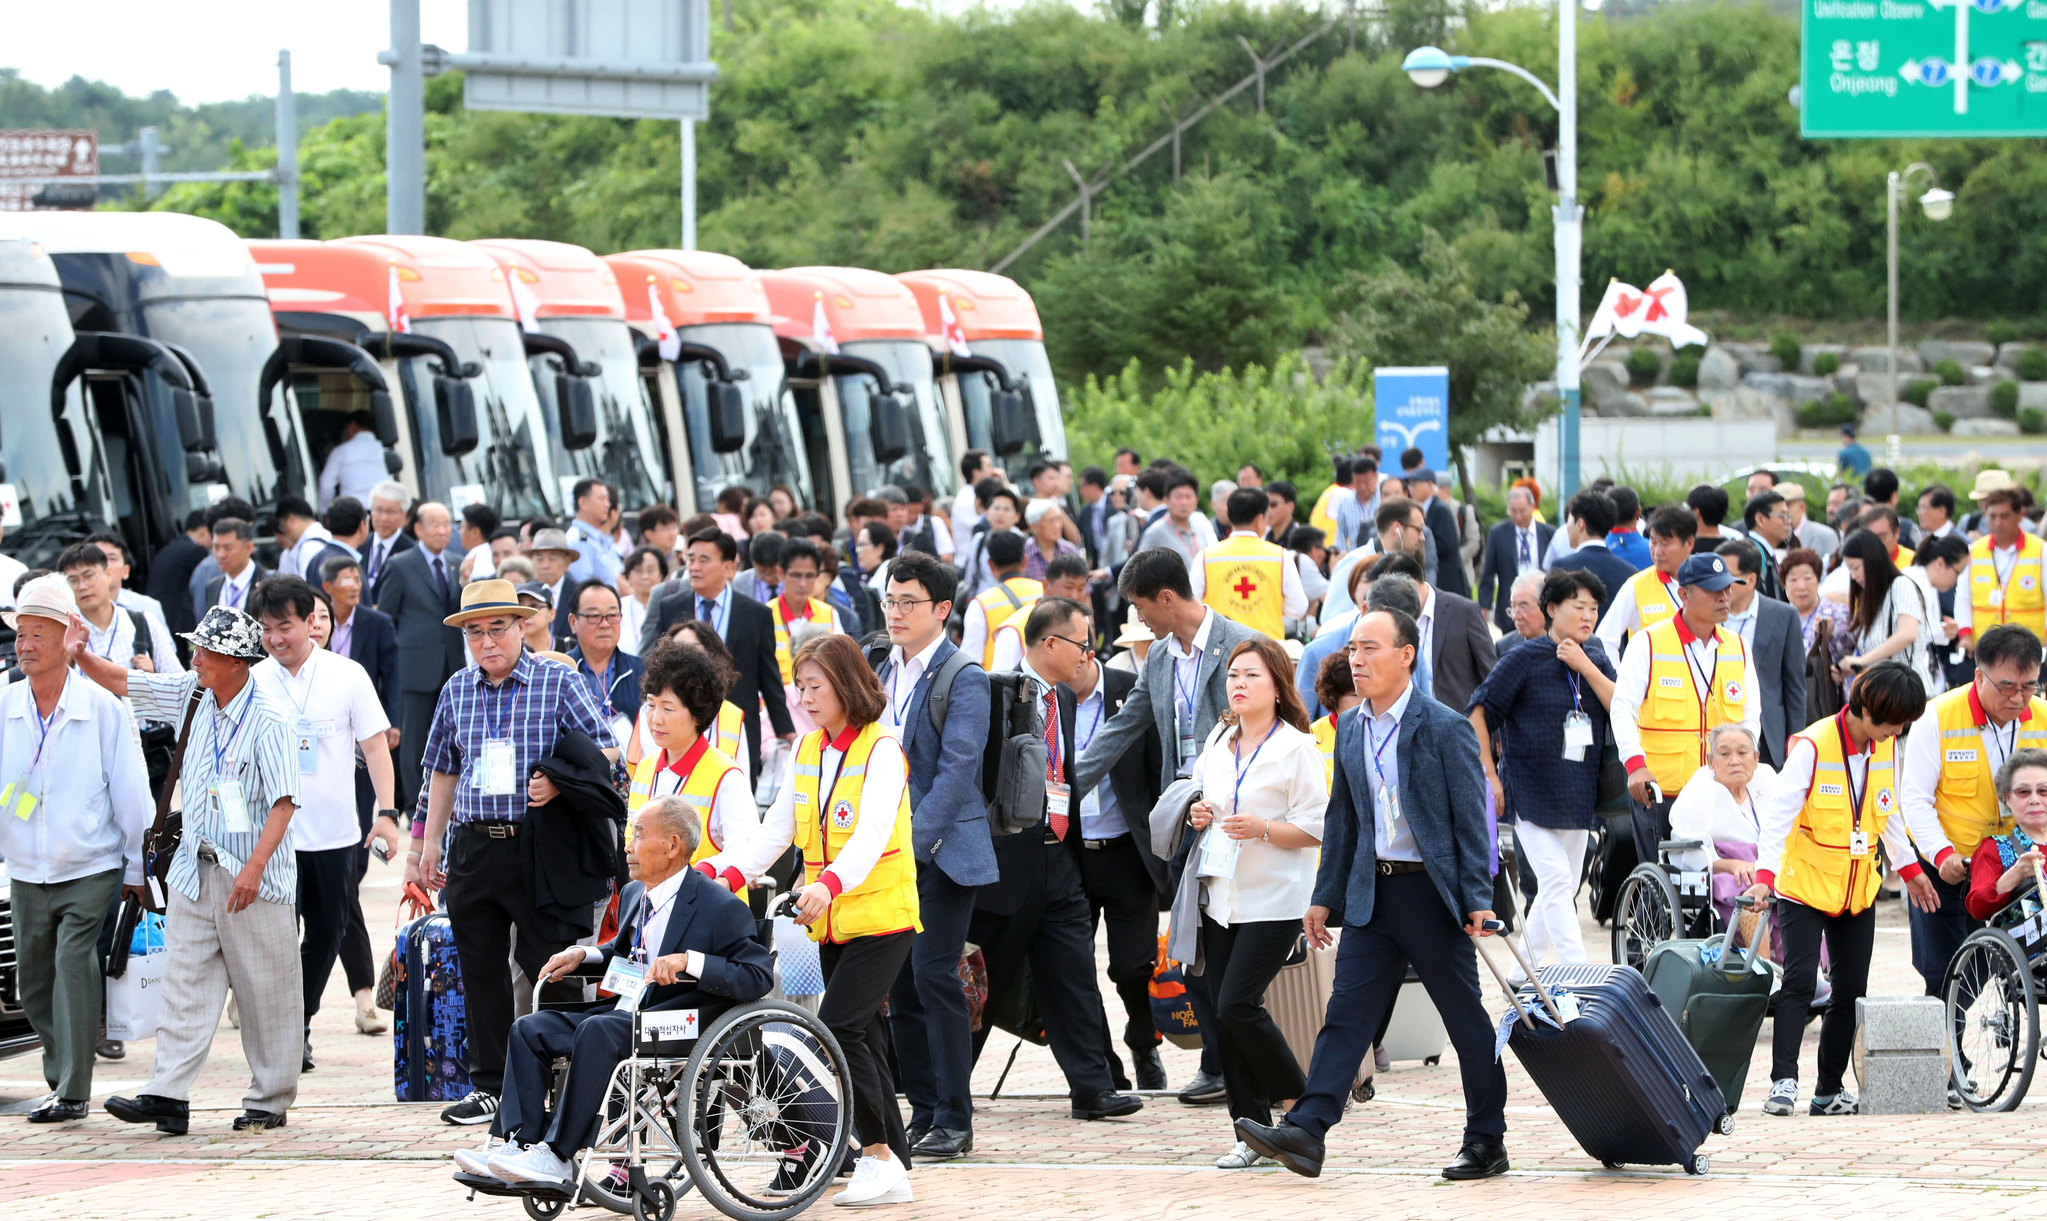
(552, 540)
(486, 600)
(1989, 481)
(48, 597)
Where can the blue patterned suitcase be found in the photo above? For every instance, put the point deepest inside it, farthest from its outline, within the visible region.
(431, 1034)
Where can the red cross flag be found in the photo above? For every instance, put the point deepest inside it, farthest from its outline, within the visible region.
(1627, 311)
(664, 331)
(821, 327)
(400, 323)
(955, 334)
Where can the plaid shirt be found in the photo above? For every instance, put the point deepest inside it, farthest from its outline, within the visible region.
(1035, 560)
(534, 707)
(257, 747)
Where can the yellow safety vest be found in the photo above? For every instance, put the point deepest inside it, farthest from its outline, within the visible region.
(1654, 601)
(1325, 741)
(1966, 796)
(1323, 516)
(1017, 618)
(1817, 868)
(1012, 594)
(1901, 557)
(1675, 721)
(699, 789)
(820, 612)
(730, 733)
(1245, 583)
(2020, 599)
(885, 901)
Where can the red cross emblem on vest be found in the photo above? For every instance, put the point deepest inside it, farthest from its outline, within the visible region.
(1245, 587)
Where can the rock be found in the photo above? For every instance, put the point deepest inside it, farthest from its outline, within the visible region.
(1985, 375)
(1900, 1055)
(2008, 354)
(1912, 421)
(1754, 357)
(1878, 359)
(1670, 401)
(1963, 352)
(1778, 384)
(1986, 428)
(1533, 397)
(1626, 403)
(1849, 382)
(2033, 394)
(1719, 369)
(1603, 382)
(1874, 388)
(1961, 402)
(1806, 389)
(1807, 351)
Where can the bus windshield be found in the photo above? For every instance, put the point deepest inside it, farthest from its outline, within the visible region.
(627, 453)
(232, 338)
(1025, 359)
(511, 469)
(35, 330)
(929, 464)
(774, 452)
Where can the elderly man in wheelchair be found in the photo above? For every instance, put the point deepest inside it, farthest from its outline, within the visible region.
(687, 944)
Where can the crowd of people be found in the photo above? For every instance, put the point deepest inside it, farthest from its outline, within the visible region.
(759, 699)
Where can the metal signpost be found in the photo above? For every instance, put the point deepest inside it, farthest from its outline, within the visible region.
(1411, 407)
(1891, 68)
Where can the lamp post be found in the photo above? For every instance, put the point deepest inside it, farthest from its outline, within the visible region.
(1938, 205)
(1430, 67)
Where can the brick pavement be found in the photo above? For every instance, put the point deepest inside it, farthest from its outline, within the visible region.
(351, 1151)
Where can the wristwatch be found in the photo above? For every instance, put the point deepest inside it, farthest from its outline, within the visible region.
(390, 814)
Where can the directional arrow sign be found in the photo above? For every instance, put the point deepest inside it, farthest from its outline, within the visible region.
(1886, 68)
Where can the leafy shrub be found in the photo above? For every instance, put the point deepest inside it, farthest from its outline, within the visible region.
(1684, 369)
(1785, 348)
(2033, 365)
(2004, 399)
(2000, 332)
(1829, 412)
(2032, 421)
(1643, 365)
(1944, 420)
(1826, 364)
(1916, 393)
(1949, 371)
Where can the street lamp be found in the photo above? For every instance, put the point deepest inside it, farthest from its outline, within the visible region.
(1430, 67)
(1938, 205)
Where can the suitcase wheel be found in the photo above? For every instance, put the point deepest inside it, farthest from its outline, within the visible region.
(1432, 1059)
(1696, 1164)
(1610, 1165)
(1725, 1124)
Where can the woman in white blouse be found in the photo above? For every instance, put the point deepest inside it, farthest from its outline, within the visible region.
(1723, 815)
(1263, 798)
(644, 569)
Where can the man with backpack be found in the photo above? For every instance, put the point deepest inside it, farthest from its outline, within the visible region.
(938, 703)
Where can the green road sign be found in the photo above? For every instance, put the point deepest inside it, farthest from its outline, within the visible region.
(1882, 68)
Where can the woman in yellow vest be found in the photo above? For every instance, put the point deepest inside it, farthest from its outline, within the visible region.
(682, 690)
(1827, 836)
(729, 732)
(1333, 687)
(845, 803)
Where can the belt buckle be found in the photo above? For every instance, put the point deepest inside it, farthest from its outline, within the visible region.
(499, 830)
(1094, 844)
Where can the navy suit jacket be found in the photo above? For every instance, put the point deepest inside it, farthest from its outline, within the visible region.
(1502, 564)
(948, 822)
(1442, 796)
(373, 645)
(429, 651)
(716, 923)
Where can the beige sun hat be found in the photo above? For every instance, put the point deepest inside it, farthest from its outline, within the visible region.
(1992, 480)
(48, 597)
(487, 599)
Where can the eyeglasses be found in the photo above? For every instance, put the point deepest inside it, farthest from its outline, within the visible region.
(2006, 687)
(903, 606)
(477, 634)
(1082, 645)
(599, 618)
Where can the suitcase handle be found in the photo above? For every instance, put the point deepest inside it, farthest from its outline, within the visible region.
(1541, 993)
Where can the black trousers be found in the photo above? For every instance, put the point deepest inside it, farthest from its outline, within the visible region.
(594, 1042)
(1242, 961)
(487, 896)
(1849, 942)
(1936, 936)
(934, 1037)
(1056, 938)
(356, 960)
(1652, 825)
(1119, 890)
(326, 890)
(857, 977)
(415, 722)
(1409, 925)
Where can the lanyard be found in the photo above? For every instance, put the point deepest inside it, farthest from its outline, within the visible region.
(824, 793)
(286, 677)
(221, 748)
(1848, 768)
(1702, 682)
(1244, 765)
(42, 729)
(901, 710)
(1379, 748)
(646, 918)
(1576, 706)
(1101, 699)
(1185, 694)
(721, 612)
(494, 726)
(603, 690)
(113, 635)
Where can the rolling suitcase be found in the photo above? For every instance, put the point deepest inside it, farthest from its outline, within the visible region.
(1719, 996)
(1613, 1064)
(1298, 999)
(429, 1028)
(1416, 1031)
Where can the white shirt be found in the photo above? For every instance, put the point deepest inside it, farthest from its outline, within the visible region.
(975, 627)
(1780, 815)
(353, 468)
(966, 512)
(660, 903)
(1619, 620)
(881, 794)
(941, 534)
(1631, 687)
(92, 787)
(329, 706)
(1280, 780)
(1393, 835)
(481, 564)
(632, 621)
(293, 560)
(1009, 649)
(1919, 773)
(376, 556)
(117, 642)
(1293, 598)
(904, 675)
(733, 817)
(1185, 696)
(1706, 811)
(1745, 624)
(1101, 817)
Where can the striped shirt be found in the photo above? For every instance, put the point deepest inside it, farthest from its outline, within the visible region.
(536, 704)
(250, 741)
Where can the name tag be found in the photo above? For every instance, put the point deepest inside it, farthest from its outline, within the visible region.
(307, 734)
(1090, 804)
(20, 798)
(1997, 597)
(1858, 843)
(1058, 800)
(494, 769)
(669, 1025)
(1218, 853)
(1577, 736)
(801, 798)
(628, 979)
(234, 808)
(1961, 756)
(1670, 681)
(1830, 790)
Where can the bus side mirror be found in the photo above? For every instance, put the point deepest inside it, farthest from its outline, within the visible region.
(888, 428)
(186, 406)
(578, 409)
(1008, 424)
(393, 464)
(455, 411)
(208, 438)
(383, 418)
(728, 417)
(201, 469)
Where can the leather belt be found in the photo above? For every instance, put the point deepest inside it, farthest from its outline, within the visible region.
(494, 829)
(1389, 868)
(1096, 845)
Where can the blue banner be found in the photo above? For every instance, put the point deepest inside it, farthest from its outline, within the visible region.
(1412, 409)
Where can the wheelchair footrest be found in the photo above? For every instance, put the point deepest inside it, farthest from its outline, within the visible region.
(487, 1185)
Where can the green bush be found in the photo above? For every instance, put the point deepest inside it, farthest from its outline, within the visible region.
(1944, 420)
(1829, 412)
(1643, 365)
(1785, 348)
(1949, 371)
(1684, 369)
(1916, 393)
(2000, 331)
(2032, 421)
(1826, 364)
(2004, 399)
(2033, 365)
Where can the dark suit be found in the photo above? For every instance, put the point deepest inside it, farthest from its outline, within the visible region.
(314, 577)
(1460, 648)
(429, 651)
(218, 583)
(373, 645)
(170, 577)
(1391, 921)
(1502, 565)
(623, 697)
(1037, 915)
(955, 858)
(750, 636)
(1612, 571)
(706, 918)
(1441, 520)
(373, 569)
(1780, 668)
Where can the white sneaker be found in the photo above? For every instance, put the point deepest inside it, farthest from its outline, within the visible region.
(1242, 1157)
(1783, 1097)
(876, 1181)
(535, 1164)
(477, 1161)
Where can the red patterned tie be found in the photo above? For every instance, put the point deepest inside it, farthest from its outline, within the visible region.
(1055, 770)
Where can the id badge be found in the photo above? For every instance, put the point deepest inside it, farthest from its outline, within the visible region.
(1388, 802)
(307, 734)
(1090, 804)
(1058, 799)
(20, 798)
(1997, 597)
(234, 808)
(1218, 854)
(1577, 736)
(494, 769)
(627, 978)
(1858, 843)
(1188, 748)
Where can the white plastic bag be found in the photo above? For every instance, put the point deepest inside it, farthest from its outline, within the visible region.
(135, 999)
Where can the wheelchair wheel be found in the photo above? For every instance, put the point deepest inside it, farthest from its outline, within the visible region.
(657, 1203)
(543, 1210)
(1993, 1017)
(767, 1103)
(1645, 914)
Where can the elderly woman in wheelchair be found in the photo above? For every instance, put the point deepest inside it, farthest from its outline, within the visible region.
(1994, 981)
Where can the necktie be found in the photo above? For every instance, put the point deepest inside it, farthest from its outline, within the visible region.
(1054, 769)
(706, 609)
(441, 577)
(1524, 546)
(376, 561)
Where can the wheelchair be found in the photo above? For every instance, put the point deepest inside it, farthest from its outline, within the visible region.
(752, 1111)
(1992, 993)
(1659, 901)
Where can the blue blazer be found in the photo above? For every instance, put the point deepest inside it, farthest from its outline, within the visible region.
(1442, 796)
(625, 680)
(948, 822)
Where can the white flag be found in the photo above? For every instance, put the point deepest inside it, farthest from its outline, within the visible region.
(955, 334)
(820, 328)
(665, 337)
(400, 323)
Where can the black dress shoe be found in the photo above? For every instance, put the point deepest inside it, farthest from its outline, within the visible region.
(58, 1110)
(1478, 1159)
(168, 1114)
(915, 1133)
(1293, 1147)
(941, 1144)
(306, 1065)
(1108, 1105)
(1206, 1089)
(261, 1121)
(1151, 1071)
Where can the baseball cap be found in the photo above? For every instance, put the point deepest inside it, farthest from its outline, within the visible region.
(1708, 572)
